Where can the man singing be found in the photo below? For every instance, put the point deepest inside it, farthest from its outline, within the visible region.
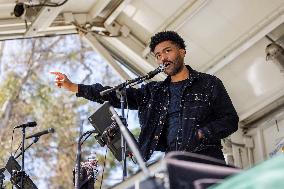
(188, 111)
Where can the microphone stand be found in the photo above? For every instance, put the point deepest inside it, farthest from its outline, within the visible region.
(23, 126)
(2, 177)
(34, 141)
(121, 91)
(78, 157)
(23, 149)
(23, 156)
(122, 94)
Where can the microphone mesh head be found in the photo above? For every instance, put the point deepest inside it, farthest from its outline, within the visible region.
(51, 130)
(162, 67)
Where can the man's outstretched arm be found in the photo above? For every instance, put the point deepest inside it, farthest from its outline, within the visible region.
(92, 92)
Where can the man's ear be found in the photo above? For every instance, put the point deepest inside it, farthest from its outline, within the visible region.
(182, 51)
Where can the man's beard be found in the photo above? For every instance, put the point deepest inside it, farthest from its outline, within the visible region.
(176, 67)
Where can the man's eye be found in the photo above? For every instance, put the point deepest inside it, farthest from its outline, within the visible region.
(168, 50)
(158, 56)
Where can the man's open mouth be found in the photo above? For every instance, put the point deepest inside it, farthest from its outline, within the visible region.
(167, 64)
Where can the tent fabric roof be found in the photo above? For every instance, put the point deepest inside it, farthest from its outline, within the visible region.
(226, 38)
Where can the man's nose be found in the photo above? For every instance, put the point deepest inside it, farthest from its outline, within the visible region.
(164, 58)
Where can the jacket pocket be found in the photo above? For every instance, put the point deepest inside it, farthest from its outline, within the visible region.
(196, 106)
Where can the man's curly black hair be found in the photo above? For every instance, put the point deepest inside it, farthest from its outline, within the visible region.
(166, 36)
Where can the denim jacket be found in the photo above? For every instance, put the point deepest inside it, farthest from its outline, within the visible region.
(205, 105)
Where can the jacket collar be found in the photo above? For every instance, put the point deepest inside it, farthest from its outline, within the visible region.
(193, 75)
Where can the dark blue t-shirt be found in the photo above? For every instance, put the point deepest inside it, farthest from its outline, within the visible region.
(174, 111)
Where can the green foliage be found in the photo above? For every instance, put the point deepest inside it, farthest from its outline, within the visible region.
(9, 87)
(27, 93)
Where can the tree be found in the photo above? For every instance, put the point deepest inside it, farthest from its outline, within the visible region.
(27, 93)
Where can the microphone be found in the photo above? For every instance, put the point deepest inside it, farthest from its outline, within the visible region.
(29, 124)
(151, 74)
(137, 80)
(50, 130)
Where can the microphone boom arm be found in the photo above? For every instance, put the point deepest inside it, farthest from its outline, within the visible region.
(34, 141)
(134, 81)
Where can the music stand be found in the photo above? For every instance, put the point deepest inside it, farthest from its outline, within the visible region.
(13, 168)
(107, 131)
(189, 170)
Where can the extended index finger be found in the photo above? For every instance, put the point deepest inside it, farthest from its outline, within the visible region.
(57, 73)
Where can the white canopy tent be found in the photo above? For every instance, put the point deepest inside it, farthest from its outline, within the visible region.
(226, 38)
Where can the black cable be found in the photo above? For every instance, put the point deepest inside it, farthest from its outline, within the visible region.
(11, 149)
(135, 162)
(18, 148)
(101, 33)
(49, 5)
(127, 107)
(88, 133)
(103, 169)
(269, 38)
(26, 24)
(105, 34)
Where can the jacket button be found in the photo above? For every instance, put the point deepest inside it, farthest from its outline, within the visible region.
(156, 137)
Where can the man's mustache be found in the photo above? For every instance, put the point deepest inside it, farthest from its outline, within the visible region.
(167, 63)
